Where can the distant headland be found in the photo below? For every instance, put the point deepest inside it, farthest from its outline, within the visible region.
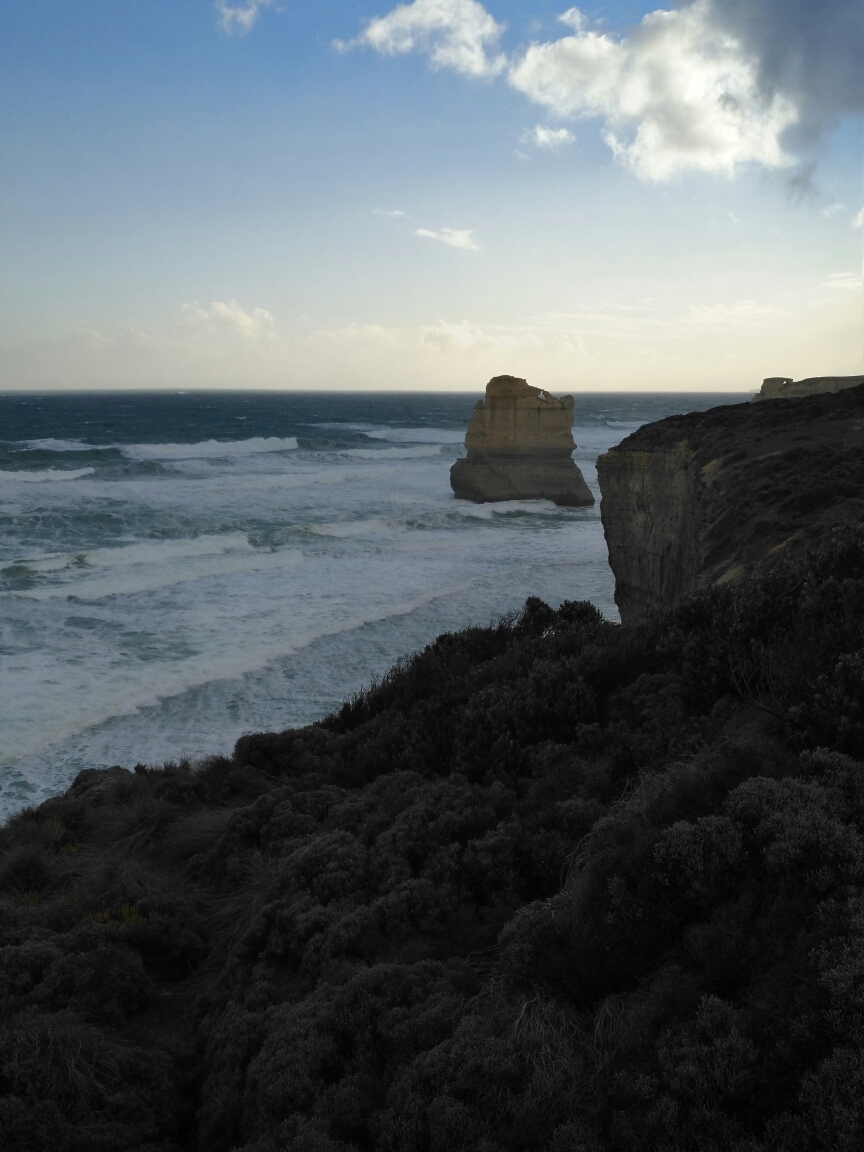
(785, 388)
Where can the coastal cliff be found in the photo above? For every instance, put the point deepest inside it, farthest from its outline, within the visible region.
(519, 444)
(704, 499)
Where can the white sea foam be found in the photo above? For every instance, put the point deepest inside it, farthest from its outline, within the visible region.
(398, 435)
(139, 552)
(46, 476)
(141, 579)
(209, 449)
(160, 551)
(54, 562)
(417, 435)
(147, 566)
(353, 528)
(223, 655)
(392, 453)
(49, 444)
(507, 507)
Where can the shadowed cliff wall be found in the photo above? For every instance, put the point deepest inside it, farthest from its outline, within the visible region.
(705, 499)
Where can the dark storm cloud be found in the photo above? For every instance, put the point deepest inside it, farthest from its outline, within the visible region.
(813, 50)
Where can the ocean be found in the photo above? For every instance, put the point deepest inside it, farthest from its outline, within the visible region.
(177, 569)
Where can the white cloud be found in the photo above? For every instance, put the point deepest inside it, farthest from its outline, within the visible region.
(574, 18)
(858, 220)
(455, 237)
(724, 315)
(843, 280)
(678, 93)
(681, 92)
(831, 209)
(255, 325)
(238, 19)
(458, 34)
(552, 139)
(395, 214)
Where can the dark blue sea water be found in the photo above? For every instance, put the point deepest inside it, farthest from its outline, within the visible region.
(177, 569)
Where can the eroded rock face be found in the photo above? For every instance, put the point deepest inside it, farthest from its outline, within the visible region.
(519, 443)
(708, 498)
(785, 388)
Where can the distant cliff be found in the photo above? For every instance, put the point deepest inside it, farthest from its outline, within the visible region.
(785, 388)
(706, 498)
(519, 444)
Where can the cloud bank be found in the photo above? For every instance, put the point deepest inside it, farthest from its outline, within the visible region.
(707, 86)
(256, 324)
(624, 341)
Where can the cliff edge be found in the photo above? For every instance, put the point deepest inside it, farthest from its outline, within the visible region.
(519, 443)
(707, 498)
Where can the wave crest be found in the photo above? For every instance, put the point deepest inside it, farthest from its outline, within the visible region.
(209, 449)
(48, 475)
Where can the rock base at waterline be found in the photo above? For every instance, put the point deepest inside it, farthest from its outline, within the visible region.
(485, 481)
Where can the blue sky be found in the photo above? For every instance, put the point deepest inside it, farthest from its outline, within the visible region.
(196, 196)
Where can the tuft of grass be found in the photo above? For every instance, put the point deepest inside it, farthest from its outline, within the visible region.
(126, 916)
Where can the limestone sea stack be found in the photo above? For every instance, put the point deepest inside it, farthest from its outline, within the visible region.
(519, 443)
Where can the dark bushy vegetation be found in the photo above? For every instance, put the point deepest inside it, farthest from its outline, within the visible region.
(550, 885)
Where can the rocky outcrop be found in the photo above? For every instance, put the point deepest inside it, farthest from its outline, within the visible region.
(520, 445)
(785, 388)
(710, 497)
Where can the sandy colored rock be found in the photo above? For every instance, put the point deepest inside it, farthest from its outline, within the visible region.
(708, 498)
(519, 444)
(785, 388)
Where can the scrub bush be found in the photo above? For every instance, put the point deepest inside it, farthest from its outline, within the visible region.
(549, 885)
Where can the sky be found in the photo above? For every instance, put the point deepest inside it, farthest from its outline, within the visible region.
(357, 195)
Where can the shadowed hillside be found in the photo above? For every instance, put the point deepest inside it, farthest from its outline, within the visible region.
(551, 884)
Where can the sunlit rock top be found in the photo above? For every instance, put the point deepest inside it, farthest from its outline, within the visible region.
(516, 418)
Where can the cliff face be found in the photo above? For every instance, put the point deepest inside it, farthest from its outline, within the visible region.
(785, 388)
(710, 497)
(519, 443)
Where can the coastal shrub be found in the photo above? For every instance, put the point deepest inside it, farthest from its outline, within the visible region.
(548, 885)
(68, 1086)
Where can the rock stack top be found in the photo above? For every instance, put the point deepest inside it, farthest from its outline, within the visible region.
(520, 420)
